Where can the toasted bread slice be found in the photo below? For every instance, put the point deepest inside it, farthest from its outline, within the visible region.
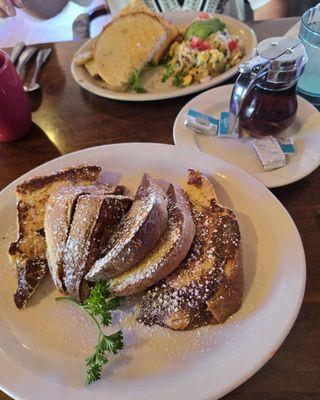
(167, 254)
(94, 219)
(83, 58)
(135, 6)
(28, 253)
(91, 67)
(172, 32)
(208, 286)
(137, 234)
(127, 44)
(57, 221)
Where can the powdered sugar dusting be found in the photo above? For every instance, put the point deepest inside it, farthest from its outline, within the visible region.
(58, 220)
(168, 252)
(179, 302)
(136, 235)
(95, 217)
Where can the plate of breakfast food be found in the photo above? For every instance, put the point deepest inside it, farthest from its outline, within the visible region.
(141, 56)
(300, 142)
(147, 272)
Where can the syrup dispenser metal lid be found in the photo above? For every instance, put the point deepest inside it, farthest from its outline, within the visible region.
(285, 67)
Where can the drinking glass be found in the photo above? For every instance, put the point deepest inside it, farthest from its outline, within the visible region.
(309, 83)
(15, 114)
(116, 6)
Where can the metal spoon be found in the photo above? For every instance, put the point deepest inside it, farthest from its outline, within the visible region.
(17, 51)
(23, 59)
(42, 57)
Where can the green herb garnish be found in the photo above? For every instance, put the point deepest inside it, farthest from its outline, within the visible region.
(203, 29)
(176, 80)
(134, 81)
(167, 74)
(97, 305)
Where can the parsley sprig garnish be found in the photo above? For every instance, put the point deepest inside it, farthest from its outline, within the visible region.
(176, 80)
(98, 305)
(169, 72)
(176, 77)
(134, 81)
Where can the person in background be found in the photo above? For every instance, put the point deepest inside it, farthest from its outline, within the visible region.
(39, 8)
(243, 9)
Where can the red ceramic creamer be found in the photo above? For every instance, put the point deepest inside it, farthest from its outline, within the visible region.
(15, 113)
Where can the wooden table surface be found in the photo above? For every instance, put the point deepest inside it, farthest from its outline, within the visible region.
(67, 118)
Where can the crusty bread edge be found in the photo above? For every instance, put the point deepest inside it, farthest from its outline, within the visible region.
(227, 300)
(54, 259)
(173, 260)
(170, 28)
(172, 32)
(156, 220)
(72, 174)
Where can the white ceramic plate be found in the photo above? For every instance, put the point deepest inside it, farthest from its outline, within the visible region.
(152, 82)
(305, 131)
(42, 348)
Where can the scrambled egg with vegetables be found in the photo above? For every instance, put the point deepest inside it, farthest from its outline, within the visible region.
(206, 50)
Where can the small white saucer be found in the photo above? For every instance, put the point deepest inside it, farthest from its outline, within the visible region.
(305, 130)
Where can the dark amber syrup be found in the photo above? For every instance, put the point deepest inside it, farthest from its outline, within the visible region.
(268, 109)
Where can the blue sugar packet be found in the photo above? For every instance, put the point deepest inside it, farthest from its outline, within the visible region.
(223, 126)
(201, 123)
(287, 145)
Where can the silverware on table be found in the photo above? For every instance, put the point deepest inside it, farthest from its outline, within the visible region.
(17, 51)
(42, 57)
(23, 59)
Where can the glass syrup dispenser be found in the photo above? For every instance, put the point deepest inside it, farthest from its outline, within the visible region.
(264, 101)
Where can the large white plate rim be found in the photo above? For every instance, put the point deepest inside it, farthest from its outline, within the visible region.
(16, 387)
(124, 96)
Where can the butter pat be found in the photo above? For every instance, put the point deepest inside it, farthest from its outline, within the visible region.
(269, 153)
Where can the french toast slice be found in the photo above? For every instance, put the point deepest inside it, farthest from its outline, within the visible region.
(137, 233)
(125, 46)
(167, 254)
(28, 253)
(208, 285)
(95, 218)
(172, 31)
(57, 221)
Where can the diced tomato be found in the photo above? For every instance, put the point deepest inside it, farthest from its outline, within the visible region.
(203, 15)
(232, 45)
(205, 45)
(195, 42)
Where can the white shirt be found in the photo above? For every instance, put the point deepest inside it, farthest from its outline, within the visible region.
(254, 4)
(235, 8)
(198, 5)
